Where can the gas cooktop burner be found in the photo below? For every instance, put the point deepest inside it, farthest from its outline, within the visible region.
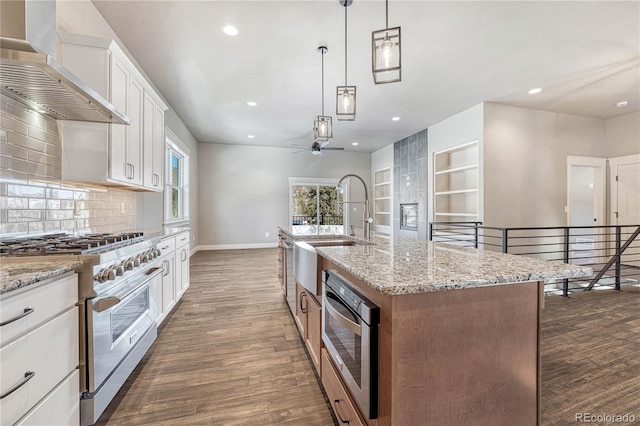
(66, 244)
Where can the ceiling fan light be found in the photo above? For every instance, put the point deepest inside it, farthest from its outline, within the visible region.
(386, 55)
(346, 103)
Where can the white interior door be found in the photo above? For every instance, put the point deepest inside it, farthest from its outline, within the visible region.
(625, 191)
(586, 183)
(625, 200)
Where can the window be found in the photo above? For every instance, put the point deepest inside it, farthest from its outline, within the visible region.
(176, 185)
(316, 206)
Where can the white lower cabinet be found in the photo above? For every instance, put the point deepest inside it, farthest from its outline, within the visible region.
(58, 408)
(174, 260)
(182, 264)
(38, 366)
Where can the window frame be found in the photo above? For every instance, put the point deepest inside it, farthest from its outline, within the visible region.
(173, 145)
(303, 181)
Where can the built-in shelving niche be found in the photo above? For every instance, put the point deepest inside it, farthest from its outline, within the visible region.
(455, 177)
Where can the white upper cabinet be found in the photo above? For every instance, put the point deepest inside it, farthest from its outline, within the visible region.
(113, 154)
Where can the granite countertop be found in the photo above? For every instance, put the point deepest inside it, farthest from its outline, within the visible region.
(406, 266)
(16, 275)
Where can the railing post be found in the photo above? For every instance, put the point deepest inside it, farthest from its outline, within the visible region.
(476, 235)
(430, 231)
(505, 240)
(565, 282)
(618, 255)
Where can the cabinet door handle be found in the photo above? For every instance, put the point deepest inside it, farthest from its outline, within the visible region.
(27, 376)
(26, 312)
(184, 252)
(302, 296)
(133, 171)
(335, 408)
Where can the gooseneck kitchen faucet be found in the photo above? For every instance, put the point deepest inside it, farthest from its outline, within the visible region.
(366, 216)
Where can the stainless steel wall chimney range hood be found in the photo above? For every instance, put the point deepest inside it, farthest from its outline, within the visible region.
(30, 74)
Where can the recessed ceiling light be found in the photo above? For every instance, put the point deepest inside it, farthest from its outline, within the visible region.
(230, 30)
(251, 103)
(535, 91)
(250, 136)
(622, 104)
(354, 143)
(396, 118)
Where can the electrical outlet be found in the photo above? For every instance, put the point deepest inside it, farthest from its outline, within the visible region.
(266, 234)
(121, 208)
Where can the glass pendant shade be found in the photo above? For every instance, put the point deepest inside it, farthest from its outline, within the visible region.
(346, 103)
(386, 55)
(322, 128)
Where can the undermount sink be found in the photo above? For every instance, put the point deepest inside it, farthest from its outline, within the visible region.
(329, 243)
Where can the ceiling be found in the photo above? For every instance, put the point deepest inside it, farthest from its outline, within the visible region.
(455, 54)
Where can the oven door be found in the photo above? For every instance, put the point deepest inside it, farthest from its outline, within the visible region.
(116, 320)
(353, 346)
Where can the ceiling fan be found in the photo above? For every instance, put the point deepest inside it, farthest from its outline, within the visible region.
(317, 148)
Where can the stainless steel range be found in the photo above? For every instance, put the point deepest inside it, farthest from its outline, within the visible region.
(118, 287)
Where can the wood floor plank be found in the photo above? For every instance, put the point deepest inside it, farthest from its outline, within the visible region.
(230, 354)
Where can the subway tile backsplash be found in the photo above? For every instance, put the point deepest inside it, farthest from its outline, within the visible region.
(33, 199)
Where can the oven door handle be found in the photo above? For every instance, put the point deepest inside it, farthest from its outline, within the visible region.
(344, 321)
(109, 302)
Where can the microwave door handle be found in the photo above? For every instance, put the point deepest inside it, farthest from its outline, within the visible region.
(344, 321)
(108, 302)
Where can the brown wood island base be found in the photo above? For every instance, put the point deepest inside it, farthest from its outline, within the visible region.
(468, 356)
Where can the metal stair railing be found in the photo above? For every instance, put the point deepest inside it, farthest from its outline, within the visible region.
(614, 259)
(586, 245)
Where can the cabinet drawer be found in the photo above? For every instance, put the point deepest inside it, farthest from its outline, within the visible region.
(182, 239)
(60, 407)
(50, 351)
(167, 245)
(345, 411)
(40, 302)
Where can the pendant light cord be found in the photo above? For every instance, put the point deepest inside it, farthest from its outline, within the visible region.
(345, 43)
(386, 6)
(323, 82)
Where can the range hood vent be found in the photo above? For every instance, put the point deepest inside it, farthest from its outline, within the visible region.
(30, 74)
(42, 84)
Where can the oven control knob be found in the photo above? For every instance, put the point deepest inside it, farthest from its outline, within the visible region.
(157, 252)
(136, 262)
(129, 264)
(119, 270)
(100, 276)
(110, 273)
(152, 254)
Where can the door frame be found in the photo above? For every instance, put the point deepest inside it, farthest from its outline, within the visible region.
(612, 189)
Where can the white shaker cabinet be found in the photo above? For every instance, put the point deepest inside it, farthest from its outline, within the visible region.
(117, 155)
(174, 259)
(153, 144)
(39, 354)
(182, 264)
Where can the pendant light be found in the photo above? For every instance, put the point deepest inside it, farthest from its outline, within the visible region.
(346, 95)
(322, 126)
(385, 53)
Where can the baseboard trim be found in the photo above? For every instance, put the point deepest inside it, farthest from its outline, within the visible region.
(237, 246)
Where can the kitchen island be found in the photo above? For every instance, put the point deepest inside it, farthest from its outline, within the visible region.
(459, 334)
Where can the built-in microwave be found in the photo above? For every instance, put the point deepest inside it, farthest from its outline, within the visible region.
(350, 333)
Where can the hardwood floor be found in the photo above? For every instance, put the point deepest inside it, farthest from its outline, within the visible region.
(230, 354)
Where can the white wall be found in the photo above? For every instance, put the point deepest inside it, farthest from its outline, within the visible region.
(623, 135)
(525, 151)
(244, 190)
(466, 126)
